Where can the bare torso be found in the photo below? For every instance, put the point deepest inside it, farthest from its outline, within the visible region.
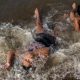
(75, 18)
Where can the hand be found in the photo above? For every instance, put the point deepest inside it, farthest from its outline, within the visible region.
(36, 13)
(74, 6)
(7, 66)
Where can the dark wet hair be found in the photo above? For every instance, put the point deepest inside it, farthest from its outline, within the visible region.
(78, 10)
(45, 39)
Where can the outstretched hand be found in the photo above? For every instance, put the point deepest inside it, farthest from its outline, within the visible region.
(74, 6)
(36, 13)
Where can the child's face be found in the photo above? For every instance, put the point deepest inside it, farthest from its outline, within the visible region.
(27, 60)
(28, 57)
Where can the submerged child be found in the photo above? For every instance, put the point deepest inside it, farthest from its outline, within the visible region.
(43, 41)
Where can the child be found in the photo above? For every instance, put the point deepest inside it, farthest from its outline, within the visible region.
(43, 41)
(75, 16)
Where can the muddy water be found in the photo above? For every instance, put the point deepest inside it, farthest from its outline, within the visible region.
(56, 67)
(22, 10)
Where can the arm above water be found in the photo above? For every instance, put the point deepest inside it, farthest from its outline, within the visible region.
(10, 59)
(73, 12)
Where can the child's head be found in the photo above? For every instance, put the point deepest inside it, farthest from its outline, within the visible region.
(76, 8)
(27, 60)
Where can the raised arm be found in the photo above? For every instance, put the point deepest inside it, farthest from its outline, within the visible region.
(38, 22)
(73, 12)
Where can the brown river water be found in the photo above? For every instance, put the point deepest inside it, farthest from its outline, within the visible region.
(63, 63)
(22, 10)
